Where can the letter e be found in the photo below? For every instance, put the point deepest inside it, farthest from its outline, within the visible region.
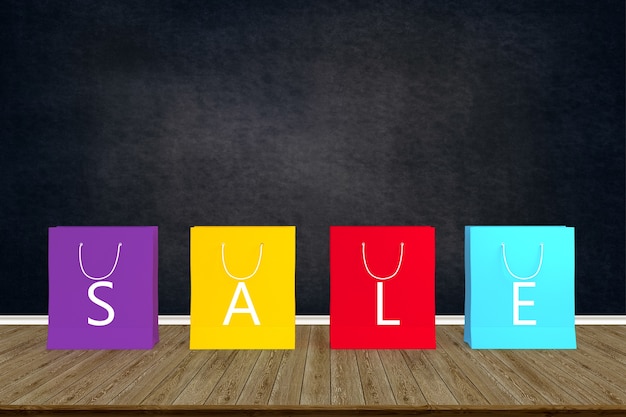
(517, 303)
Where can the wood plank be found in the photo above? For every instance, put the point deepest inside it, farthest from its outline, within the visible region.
(154, 373)
(231, 383)
(34, 370)
(535, 376)
(8, 329)
(33, 357)
(523, 392)
(345, 381)
(429, 381)
(565, 371)
(595, 362)
(110, 388)
(176, 381)
(316, 411)
(619, 331)
(458, 383)
(67, 376)
(316, 382)
(474, 368)
(613, 335)
(204, 381)
(20, 341)
(261, 381)
(73, 393)
(603, 354)
(600, 392)
(605, 342)
(376, 387)
(15, 335)
(288, 385)
(405, 388)
(580, 392)
(171, 375)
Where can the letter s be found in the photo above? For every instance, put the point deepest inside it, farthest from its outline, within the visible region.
(99, 302)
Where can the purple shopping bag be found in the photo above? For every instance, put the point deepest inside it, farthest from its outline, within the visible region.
(103, 289)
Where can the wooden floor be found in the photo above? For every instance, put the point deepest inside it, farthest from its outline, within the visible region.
(314, 380)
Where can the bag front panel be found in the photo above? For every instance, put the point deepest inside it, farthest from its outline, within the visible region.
(103, 288)
(523, 286)
(382, 287)
(243, 287)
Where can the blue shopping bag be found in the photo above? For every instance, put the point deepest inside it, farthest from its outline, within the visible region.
(519, 287)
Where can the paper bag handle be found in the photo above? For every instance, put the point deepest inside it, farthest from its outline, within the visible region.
(506, 264)
(80, 261)
(389, 276)
(255, 269)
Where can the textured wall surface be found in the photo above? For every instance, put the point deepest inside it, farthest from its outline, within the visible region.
(442, 113)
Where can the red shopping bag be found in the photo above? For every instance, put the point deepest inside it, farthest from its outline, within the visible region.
(382, 287)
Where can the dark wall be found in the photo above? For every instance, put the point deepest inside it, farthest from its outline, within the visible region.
(442, 113)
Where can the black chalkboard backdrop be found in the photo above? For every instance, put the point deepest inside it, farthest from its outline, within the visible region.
(312, 113)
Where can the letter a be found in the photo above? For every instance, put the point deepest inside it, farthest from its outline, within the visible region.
(241, 288)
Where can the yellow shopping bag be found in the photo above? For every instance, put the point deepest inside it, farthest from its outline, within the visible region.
(243, 287)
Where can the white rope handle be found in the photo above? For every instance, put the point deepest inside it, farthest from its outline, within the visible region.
(389, 276)
(255, 269)
(506, 264)
(82, 268)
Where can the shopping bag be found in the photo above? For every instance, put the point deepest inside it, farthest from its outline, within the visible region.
(382, 288)
(519, 287)
(243, 287)
(103, 287)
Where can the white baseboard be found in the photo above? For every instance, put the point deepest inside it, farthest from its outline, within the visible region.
(601, 320)
(311, 320)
